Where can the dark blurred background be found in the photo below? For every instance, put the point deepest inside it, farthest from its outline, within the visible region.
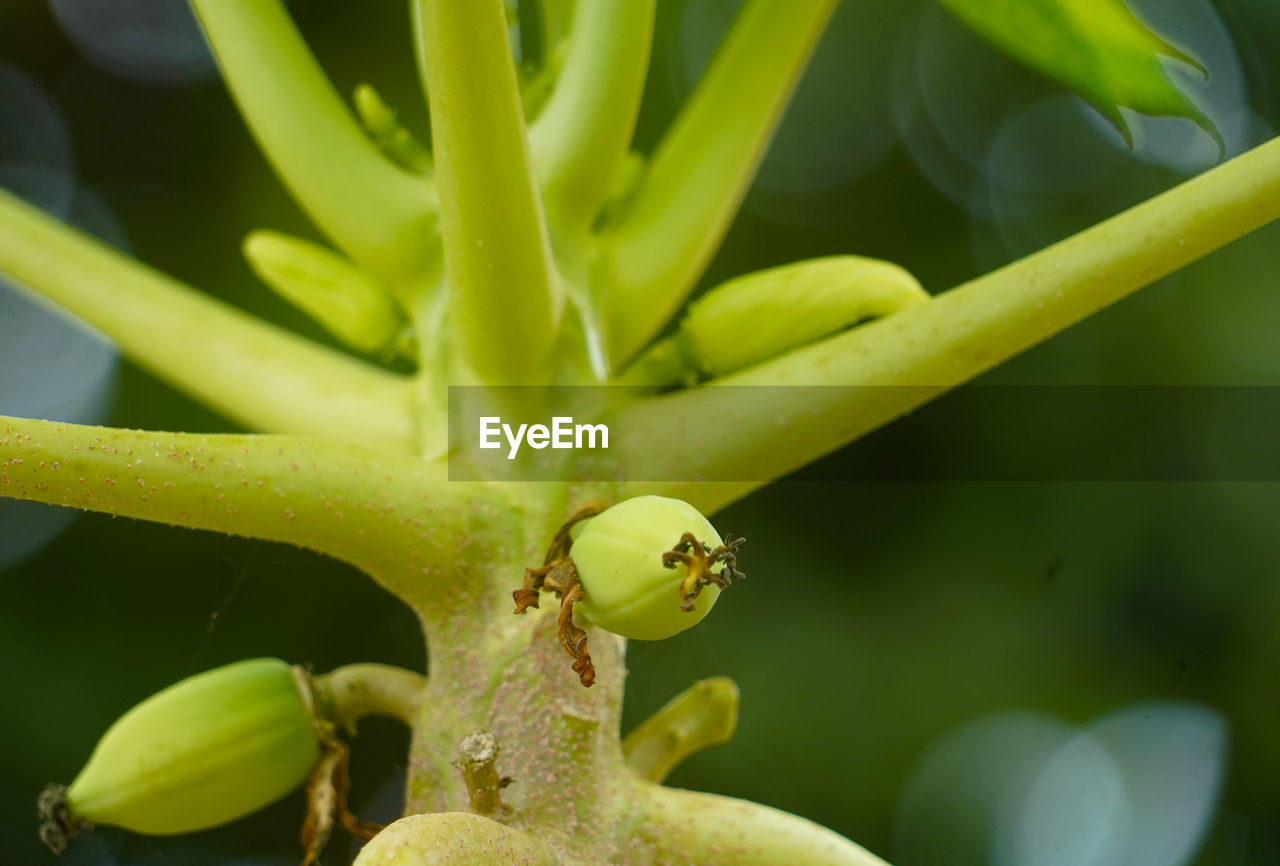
(925, 667)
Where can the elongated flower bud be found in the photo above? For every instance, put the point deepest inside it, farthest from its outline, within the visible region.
(339, 296)
(651, 567)
(759, 316)
(205, 751)
(395, 140)
(755, 317)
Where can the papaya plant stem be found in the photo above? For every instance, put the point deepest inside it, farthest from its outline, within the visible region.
(396, 518)
(260, 375)
(581, 136)
(504, 293)
(913, 355)
(359, 690)
(702, 716)
(371, 208)
(556, 19)
(688, 827)
(652, 257)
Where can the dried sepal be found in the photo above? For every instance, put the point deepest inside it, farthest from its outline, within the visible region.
(327, 802)
(559, 575)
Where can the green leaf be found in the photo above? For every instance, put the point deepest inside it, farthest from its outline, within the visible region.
(1098, 48)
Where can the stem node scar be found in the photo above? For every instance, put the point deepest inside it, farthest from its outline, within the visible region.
(477, 760)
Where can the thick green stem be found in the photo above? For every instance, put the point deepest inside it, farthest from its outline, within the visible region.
(394, 517)
(381, 215)
(702, 716)
(687, 827)
(504, 292)
(355, 691)
(700, 172)
(903, 360)
(508, 675)
(260, 375)
(580, 138)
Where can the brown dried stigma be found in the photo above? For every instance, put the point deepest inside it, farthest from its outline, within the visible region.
(699, 558)
(59, 823)
(559, 575)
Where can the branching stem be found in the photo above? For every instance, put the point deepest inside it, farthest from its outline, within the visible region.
(504, 293)
(580, 138)
(381, 215)
(702, 716)
(262, 376)
(394, 517)
(687, 827)
(836, 390)
(355, 691)
(700, 172)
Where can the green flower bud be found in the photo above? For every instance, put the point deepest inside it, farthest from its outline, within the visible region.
(388, 132)
(205, 751)
(651, 567)
(762, 315)
(341, 298)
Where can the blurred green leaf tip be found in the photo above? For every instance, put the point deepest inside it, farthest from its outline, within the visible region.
(1098, 48)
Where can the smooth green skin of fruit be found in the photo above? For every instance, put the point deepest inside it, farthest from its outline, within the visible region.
(452, 839)
(619, 559)
(207, 750)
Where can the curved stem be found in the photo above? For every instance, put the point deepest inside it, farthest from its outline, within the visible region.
(260, 375)
(380, 214)
(687, 827)
(888, 367)
(395, 518)
(556, 19)
(581, 136)
(355, 691)
(702, 716)
(504, 292)
(701, 170)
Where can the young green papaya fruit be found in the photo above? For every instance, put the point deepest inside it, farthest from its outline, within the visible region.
(207, 750)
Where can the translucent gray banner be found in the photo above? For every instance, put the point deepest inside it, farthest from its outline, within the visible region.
(975, 433)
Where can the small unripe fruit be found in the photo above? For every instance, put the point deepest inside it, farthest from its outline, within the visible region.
(207, 750)
(629, 586)
(452, 839)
